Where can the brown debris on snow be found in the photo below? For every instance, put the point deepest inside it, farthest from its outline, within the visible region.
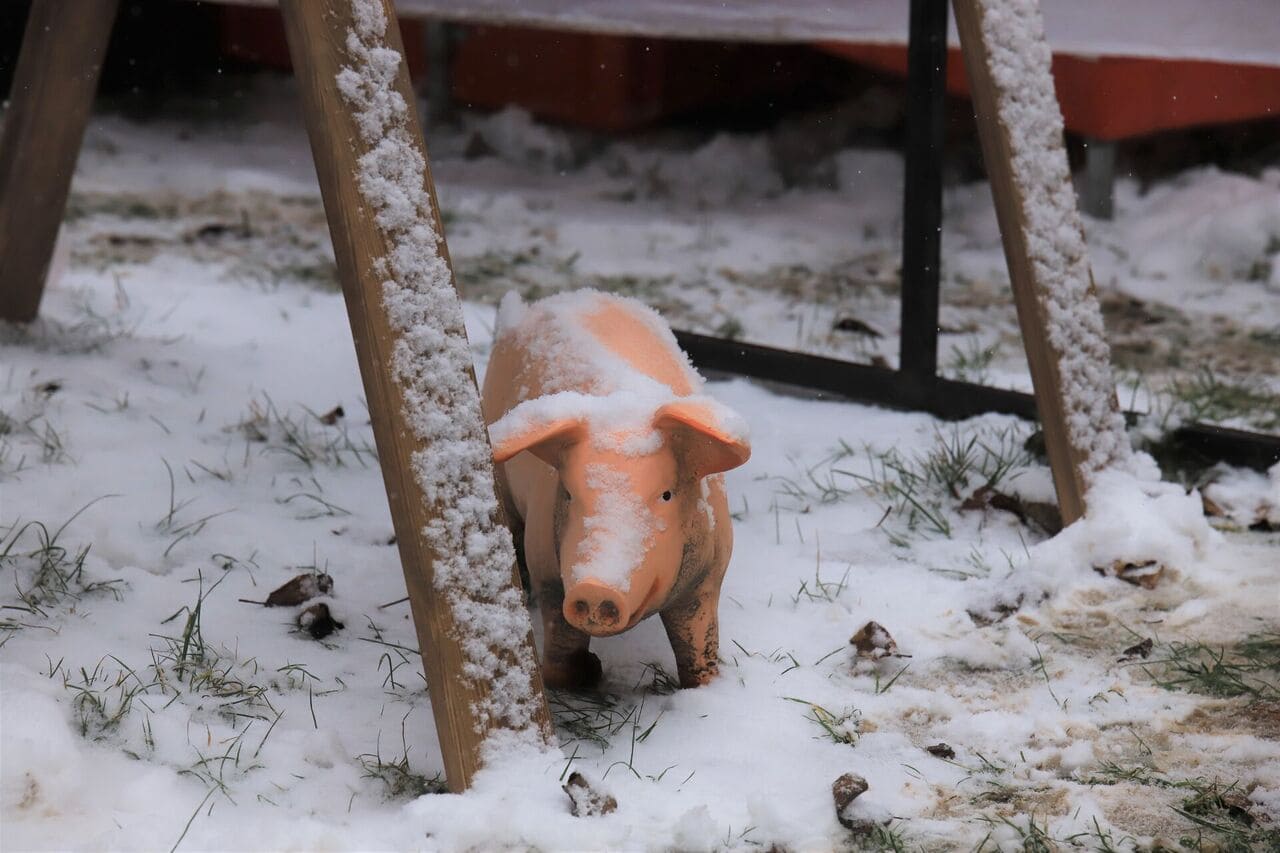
(586, 801)
(1138, 650)
(873, 642)
(317, 621)
(853, 324)
(1046, 516)
(332, 416)
(844, 791)
(941, 750)
(1268, 520)
(299, 589)
(1145, 574)
(996, 613)
(1212, 509)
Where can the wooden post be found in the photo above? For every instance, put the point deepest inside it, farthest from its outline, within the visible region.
(49, 103)
(1020, 127)
(418, 380)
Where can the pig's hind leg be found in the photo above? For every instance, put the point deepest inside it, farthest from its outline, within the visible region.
(566, 657)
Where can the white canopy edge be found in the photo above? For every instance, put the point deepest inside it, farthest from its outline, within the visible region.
(1236, 31)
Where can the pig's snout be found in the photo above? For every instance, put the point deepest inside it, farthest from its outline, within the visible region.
(596, 608)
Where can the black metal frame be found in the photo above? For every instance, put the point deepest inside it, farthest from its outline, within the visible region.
(915, 384)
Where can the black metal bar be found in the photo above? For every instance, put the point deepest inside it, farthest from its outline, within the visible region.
(1233, 446)
(922, 187)
(864, 383)
(945, 398)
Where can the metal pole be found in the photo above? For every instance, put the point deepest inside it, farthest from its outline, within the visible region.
(922, 191)
(1097, 189)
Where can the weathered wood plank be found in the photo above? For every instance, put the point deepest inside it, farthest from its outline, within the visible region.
(418, 380)
(1020, 127)
(53, 87)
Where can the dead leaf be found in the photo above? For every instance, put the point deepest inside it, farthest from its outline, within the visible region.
(586, 801)
(872, 641)
(317, 621)
(332, 416)
(1139, 650)
(844, 791)
(1145, 574)
(1267, 519)
(1044, 515)
(299, 589)
(1211, 507)
(941, 750)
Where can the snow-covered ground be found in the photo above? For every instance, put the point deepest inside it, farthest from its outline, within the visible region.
(169, 445)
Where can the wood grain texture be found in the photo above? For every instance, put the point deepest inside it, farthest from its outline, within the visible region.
(53, 87)
(1067, 461)
(317, 30)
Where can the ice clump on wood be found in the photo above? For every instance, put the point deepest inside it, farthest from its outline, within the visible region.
(431, 361)
(1028, 108)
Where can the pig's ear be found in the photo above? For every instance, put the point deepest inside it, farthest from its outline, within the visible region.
(545, 438)
(714, 437)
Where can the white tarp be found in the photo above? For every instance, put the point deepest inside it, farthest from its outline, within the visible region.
(1245, 31)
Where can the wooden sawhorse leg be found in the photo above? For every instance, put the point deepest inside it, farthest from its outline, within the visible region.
(459, 563)
(53, 88)
(1020, 128)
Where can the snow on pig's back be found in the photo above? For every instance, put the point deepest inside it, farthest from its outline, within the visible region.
(587, 342)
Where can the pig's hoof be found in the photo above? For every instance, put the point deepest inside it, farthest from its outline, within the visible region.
(580, 670)
(699, 677)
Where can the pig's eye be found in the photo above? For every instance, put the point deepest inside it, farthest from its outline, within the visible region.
(666, 496)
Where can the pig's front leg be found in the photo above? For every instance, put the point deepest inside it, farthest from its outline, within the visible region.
(693, 627)
(566, 659)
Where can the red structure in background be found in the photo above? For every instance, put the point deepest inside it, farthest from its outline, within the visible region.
(617, 83)
(1113, 98)
(609, 83)
(256, 36)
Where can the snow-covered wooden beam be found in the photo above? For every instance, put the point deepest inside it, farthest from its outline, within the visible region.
(457, 554)
(1020, 127)
(49, 102)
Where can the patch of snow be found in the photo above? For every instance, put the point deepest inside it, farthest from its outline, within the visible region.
(512, 134)
(1132, 521)
(617, 534)
(1248, 497)
(727, 168)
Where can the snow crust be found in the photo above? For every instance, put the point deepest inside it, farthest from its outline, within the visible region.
(1027, 106)
(432, 363)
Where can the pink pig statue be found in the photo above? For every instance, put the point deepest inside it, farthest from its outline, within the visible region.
(609, 461)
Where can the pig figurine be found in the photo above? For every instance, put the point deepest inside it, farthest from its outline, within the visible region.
(608, 462)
